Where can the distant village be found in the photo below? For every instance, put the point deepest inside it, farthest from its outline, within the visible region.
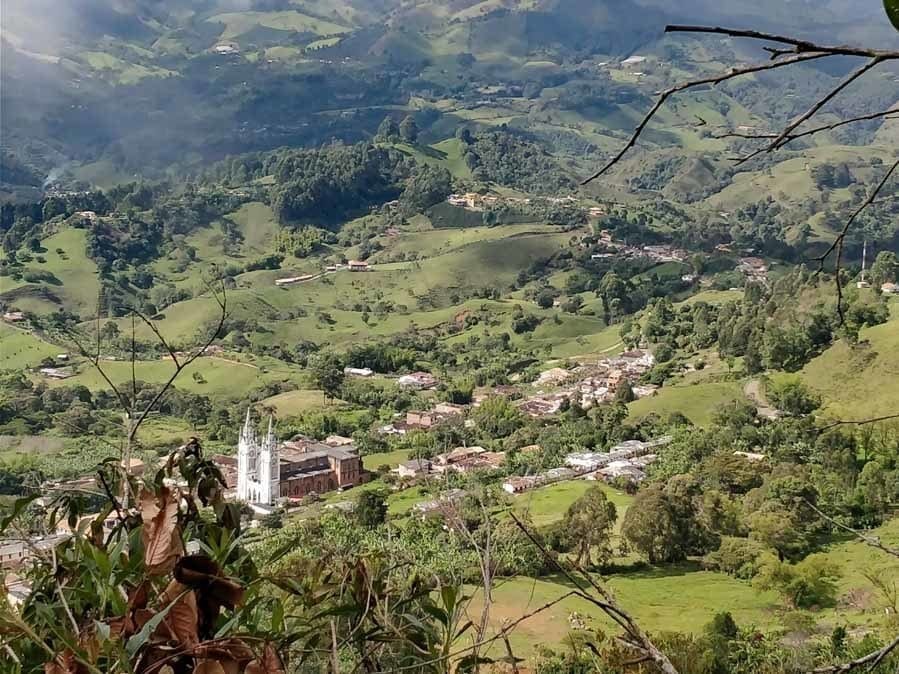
(270, 474)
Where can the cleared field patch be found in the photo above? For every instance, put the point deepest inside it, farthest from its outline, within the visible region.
(293, 403)
(121, 71)
(19, 349)
(237, 23)
(392, 459)
(868, 372)
(659, 599)
(697, 401)
(209, 376)
(74, 283)
(547, 505)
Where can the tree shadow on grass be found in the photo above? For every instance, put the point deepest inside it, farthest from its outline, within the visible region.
(637, 570)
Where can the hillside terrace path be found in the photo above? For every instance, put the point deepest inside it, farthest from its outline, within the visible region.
(753, 391)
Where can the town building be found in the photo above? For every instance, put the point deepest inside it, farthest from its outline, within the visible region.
(446, 499)
(268, 471)
(293, 280)
(419, 381)
(553, 377)
(446, 461)
(413, 469)
(632, 61)
(16, 552)
(358, 371)
(56, 372)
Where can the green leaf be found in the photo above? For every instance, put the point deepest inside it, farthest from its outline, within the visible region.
(892, 8)
(136, 642)
(18, 506)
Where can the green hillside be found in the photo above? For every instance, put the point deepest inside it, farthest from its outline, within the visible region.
(858, 382)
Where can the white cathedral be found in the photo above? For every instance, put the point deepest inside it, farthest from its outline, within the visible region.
(258, 465)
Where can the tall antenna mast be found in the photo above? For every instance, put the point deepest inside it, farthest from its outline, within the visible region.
(864, 259)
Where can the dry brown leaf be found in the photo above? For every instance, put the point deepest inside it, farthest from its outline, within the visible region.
(181, 623)
(209, 667)
(201, 573)
(268, 663)
(160, 534)
(224, 650)
(64, 663)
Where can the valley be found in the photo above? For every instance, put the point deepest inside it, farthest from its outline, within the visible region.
(318, 294)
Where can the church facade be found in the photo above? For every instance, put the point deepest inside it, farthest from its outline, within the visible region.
(268, 470)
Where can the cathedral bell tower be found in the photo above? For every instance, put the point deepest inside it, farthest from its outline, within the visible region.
(258, 465)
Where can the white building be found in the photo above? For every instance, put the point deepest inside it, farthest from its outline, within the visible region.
(586, 460)
(417, 380)
(358, 371)
(258, 465)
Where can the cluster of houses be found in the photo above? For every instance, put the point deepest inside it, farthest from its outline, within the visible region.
(417, 381)
(352, 265)
(589, 385)
(459, 460)
(474, 201)
(754, 269)
(657, 252)
(416, 420)
(626, 461)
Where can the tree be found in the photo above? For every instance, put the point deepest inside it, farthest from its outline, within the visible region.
(885, 268)
(588, 525)
(625, 392)
(327, 373)
(497, 417)
(650, 527)
(793, 397)
(807, 584)
(408, 129)
(371, 508)
(777, 530)
(545, 298)
(388, 131)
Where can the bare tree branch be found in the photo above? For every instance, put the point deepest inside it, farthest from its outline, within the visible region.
(783, 138)
(222, 302)
(873, 541)
(858, 422)
(711, 80)
(799, 45)
(837, 244)
(94, 360)
(810, 132)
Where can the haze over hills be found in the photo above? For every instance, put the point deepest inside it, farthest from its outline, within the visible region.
(138, 87)
(361, 224)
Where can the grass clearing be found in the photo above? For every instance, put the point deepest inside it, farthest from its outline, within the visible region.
(74, 286)
(868, 372)
(392, 459)
(237, 23)
(547, 505)
(208, 376)
(294, 403)
(695, 401)
(20, 349)
(660, 599)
